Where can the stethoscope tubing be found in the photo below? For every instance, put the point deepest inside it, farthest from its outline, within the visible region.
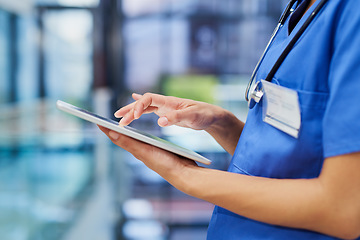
(288, 48)
(281, 22)
(294, 40)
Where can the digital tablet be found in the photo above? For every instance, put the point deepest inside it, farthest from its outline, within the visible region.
(131, 132)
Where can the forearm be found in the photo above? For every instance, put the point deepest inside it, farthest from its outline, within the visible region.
(301, 203)
(329, 204)
(226, 129)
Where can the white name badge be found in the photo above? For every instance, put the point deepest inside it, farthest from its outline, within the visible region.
(281, 108)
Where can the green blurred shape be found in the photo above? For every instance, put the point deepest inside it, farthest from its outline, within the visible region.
(195, 87)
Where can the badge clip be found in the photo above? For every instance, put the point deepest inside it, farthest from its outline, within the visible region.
(255, 95)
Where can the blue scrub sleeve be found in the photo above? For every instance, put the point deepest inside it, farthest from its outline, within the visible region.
(341, 125)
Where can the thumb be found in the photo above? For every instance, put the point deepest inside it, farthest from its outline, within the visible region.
(163, 122)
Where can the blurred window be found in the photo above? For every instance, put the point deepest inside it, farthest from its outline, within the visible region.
(144, 48)
(27, 55)
(77, 3)
(134, 8)
(4, 57)
(216, 37)
(68, 54)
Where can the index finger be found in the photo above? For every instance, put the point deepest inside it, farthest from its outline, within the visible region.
(124, 110)
(148, 100)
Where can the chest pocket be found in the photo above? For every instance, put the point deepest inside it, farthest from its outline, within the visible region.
(266, 151)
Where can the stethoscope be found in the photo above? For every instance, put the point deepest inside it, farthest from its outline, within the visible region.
(254, 93)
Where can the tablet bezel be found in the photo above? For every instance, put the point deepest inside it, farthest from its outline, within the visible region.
(131, 132)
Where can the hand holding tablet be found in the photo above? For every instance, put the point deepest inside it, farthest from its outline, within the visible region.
(131, 132)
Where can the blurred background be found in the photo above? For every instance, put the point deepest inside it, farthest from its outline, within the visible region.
(59, 177)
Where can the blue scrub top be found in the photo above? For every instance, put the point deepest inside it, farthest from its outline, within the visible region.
(324, 68)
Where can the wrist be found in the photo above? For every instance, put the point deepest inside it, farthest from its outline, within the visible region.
(226, 129)
(224, 121)
(219, 117)
(185, 179)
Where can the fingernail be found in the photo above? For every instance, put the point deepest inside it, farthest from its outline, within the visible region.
(163, 121)
(121, 122)
(114, 135)
(136, 114)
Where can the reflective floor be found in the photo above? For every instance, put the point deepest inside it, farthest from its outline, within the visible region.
(60, 178)
(45, 174)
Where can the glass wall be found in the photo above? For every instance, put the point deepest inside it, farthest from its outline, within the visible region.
(59, 177)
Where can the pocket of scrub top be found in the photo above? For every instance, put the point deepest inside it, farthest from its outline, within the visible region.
(315, 101)
(266, 151)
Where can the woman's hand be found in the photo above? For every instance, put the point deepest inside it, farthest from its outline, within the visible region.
(168, 165)
(221, 124)
(171, 110)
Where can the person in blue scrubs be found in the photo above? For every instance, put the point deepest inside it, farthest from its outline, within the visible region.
(277, 186)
